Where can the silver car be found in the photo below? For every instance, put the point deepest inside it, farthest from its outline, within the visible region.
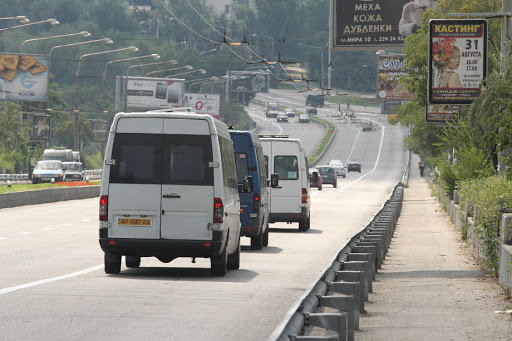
(73, 171)
(339, 167)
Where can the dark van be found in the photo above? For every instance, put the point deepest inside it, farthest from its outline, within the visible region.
(250, 168)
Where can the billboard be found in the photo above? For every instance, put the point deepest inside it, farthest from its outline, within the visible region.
(391, 68)
(23, 78)
(208, 104)
(100, 131)
(41, 127)
(371, 24)
(457, 60)
(145, 93)
(248, 81)
(389, 106)
(439, 113)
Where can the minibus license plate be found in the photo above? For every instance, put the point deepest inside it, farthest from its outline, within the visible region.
(134, 221)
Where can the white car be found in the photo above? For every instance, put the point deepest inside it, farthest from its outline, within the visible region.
(339, 167)
(290, 112)
(73, 171)
(46, 170)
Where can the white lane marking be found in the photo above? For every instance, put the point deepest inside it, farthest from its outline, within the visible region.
(84, 220)
(67, 224)
(26, 233)
(314, 193)
(266, 119)
(49, 280)
(376, 161)
(47, 229)
(3, 238)
(353, 145)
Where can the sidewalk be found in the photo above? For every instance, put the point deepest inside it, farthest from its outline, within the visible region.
(428, 287)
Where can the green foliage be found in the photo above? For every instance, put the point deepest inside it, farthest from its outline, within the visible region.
(490, 195)
(93, 161)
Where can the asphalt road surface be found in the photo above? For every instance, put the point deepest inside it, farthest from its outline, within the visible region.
(53, 285)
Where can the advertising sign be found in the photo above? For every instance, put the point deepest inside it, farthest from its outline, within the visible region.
(99, 129)
(370, 24)
(208, 104)
(457, 60)
(438, 113)
(150, 93)
(24, 78)
(248, 81)
(391, 68)
(41, 127)
(389, 106)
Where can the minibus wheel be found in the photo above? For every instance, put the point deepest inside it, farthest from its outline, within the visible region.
(234, 259)
(219, 264)
(112, 263)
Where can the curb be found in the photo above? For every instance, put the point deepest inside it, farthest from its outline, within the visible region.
(44, 196)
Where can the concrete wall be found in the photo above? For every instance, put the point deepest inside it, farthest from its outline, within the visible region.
(43, 196)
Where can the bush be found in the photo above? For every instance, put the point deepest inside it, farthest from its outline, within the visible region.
(491, 196)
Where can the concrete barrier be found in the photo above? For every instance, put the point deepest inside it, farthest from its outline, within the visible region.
(43, 196)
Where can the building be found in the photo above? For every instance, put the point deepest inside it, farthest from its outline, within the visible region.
(219, 6)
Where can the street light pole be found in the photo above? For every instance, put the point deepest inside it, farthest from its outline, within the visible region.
(263, 35)
(172, 61)
(153, 55)
(51, 21)
(84, 34)
(186, 73)
(76, 142)
(188, 67)
(321, 61)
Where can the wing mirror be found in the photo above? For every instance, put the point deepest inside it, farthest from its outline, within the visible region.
(274, 181)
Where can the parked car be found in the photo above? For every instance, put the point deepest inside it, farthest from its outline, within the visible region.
(339, 167)
(368, 127)
(250, 166)
(282, 117)
(311, 111)
(46, 170)
(315, 178)
(290, 112)
(289, 199)
(353, 166)
(169, 190)
(74, 171)
(328, 175)
(304, 118)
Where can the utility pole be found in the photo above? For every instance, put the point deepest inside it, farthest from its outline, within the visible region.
(329, 44)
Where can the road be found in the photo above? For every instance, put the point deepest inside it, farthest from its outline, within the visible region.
(53, 285)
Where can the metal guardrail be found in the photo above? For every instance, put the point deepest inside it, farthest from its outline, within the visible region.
(91, 174)
(344, 285)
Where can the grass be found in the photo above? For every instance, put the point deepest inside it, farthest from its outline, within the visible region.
(354, 100)
(33, 187)
(325, 139)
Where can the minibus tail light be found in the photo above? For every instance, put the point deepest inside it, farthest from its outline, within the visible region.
(256, 203)
(104, 208)
(304, 196)
(218, 211)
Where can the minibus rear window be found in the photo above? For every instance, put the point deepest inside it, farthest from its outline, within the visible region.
(242, 166)
(187, 160)
(138, 159)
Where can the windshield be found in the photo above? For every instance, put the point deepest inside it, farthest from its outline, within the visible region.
(325, 170)
(48, 165)
(73, 167)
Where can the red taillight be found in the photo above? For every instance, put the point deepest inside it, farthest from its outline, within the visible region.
(304, 196)
(218, 211)
(104, 208)
(256, 203)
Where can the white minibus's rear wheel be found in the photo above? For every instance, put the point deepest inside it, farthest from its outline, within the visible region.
(112, 263)
(304, 224)
(219, 264)
(132, 261)
(234, 259)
